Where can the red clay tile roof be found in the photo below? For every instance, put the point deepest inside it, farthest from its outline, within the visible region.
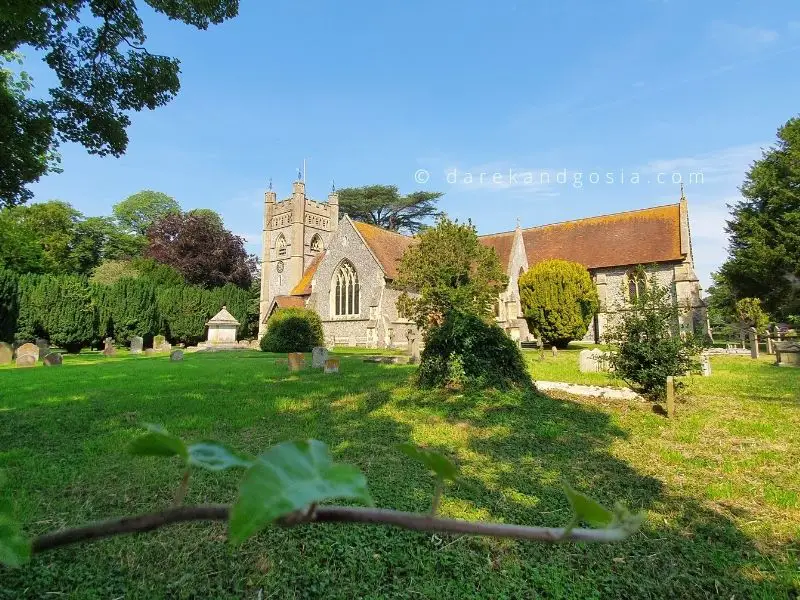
(502, 243)
(387, 246)
(303, 287)
(290, 301)
(635, 237)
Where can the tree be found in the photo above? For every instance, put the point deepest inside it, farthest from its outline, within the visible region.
(382, 205)
(750, 314)
(9, 282)
(211, 214)
(27, 133)
(96, 50)
(20, 250)
(764, 252)
(54, 225)
(559, 300)
(138, 212)
(200, 250)
(449, 269)
(646, 343)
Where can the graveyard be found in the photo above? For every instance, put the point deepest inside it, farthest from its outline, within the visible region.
(719, 482)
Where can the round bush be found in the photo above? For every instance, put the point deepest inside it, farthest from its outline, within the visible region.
(466, 351)
(293, 330)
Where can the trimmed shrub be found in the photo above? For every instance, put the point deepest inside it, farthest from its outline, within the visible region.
(559, 300)
(293, 330)
(9, 282)
(467, 351)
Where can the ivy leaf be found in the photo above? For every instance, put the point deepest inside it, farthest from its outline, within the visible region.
(158, 442)
(438, 463)
(213, 456)
(289, 477)
(588, 510)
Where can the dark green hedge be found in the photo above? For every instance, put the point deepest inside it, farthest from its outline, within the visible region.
(293, 330)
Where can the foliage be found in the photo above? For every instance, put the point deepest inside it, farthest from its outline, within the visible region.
(449, 269)
(20, 251)
(27, 133)
(111, 271)
(138, 212)
(382, 205)
(764, 229)
(750, 314)
(104, 73)
(559, 300)
(293, 330)
(201, 251)
(9, 309)
(487, 356)
(53, 224)
(57, 307)
(212, 215)
(126, 309)
(646, 343)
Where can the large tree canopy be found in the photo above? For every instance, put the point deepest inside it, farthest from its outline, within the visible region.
(382, 205)
(137, 212)
(764, 229)
(200, 250)
(104, 73)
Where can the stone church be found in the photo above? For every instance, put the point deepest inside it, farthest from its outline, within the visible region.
(343, 269)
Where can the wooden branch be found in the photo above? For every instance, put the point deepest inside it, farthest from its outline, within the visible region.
(324, 514)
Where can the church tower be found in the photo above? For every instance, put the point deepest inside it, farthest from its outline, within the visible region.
(296, 230)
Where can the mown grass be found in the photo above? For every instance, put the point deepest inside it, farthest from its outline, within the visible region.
(719, 483)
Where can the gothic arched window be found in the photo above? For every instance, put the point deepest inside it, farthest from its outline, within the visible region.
(345, 290)
(636, 284)
(316, 244)
(280, 245)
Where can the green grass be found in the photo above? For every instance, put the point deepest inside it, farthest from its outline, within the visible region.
(719, 484)
(564, 367)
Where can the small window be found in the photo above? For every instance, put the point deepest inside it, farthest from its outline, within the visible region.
(316, 244)
(280, 245)
(345, 290)
(636, 284)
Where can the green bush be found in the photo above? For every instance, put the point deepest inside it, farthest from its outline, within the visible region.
(467, 351)
(559, 300)
(9, 282)
(293, 330)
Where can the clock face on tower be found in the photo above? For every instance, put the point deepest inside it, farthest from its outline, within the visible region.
(279, 266)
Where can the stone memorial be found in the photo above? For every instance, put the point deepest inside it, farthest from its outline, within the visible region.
(297, 361)
(770, 349)
(149, 352)
(158, 342)
(705, 365)
(593, 361)
(222, 329)
(176, 355)
(332, 365)
(319, 354)
(787, 353)
(29, 350)
(554, 350)
(137, 343)
(166, 347)
(753, 343)
(44, 347)
(6, 353)
(413, 345)
(54, 359)
(26, 360)
(108, 347)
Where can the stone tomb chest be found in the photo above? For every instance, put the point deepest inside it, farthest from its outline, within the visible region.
(222, 329)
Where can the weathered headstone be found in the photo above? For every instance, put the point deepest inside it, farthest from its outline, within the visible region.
(319, 354)
(593, 361)
(137, 343)
(770, 349)
(670, 396)
(149, 351)
(158, 342)
(787, 353)
(705, 365)
(554, 350)
(6, 353)
(413, 345)
(297, 361)
(44, 347)
(753, 343)
(54, 359)
(332, 365)
(166, 347)
(26, 360)
(109, 349)
(28, 350)
(176, 355)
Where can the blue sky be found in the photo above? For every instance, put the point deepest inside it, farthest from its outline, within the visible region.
(373, 92)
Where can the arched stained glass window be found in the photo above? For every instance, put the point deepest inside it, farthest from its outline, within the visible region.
(345, 290)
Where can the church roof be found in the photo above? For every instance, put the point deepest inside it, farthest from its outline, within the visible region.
(502, 243)
(223, 317)
(636, 237)
(290, 302)
(387, 246)
(303, 287)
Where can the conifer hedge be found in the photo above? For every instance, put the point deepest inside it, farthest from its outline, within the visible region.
(9, 282)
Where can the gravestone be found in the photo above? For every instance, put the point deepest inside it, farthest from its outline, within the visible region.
(705, 365)
(29, 350)
(26, 360)
(54, 359)
(137, 342)
(554, 350)
(6, 353)
(149, 352)
(787, 353)
(108, 347)
(176, 355)
(413, 345)
(770, 349)
(332, 365)
(158, 342)
(297, 361)
(319, 354)
(753, 343)
(166, 347)
(44, 347)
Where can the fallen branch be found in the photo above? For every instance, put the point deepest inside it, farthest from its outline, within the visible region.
(324, 514)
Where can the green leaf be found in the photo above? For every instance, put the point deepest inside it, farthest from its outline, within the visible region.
(289, 477)
(588, 510)
(158, 442)
(213, 456)
(438, 463)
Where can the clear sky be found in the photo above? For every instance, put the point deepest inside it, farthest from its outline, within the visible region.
(374, 92)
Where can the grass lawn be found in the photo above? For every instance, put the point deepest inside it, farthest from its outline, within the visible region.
(720, 483)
